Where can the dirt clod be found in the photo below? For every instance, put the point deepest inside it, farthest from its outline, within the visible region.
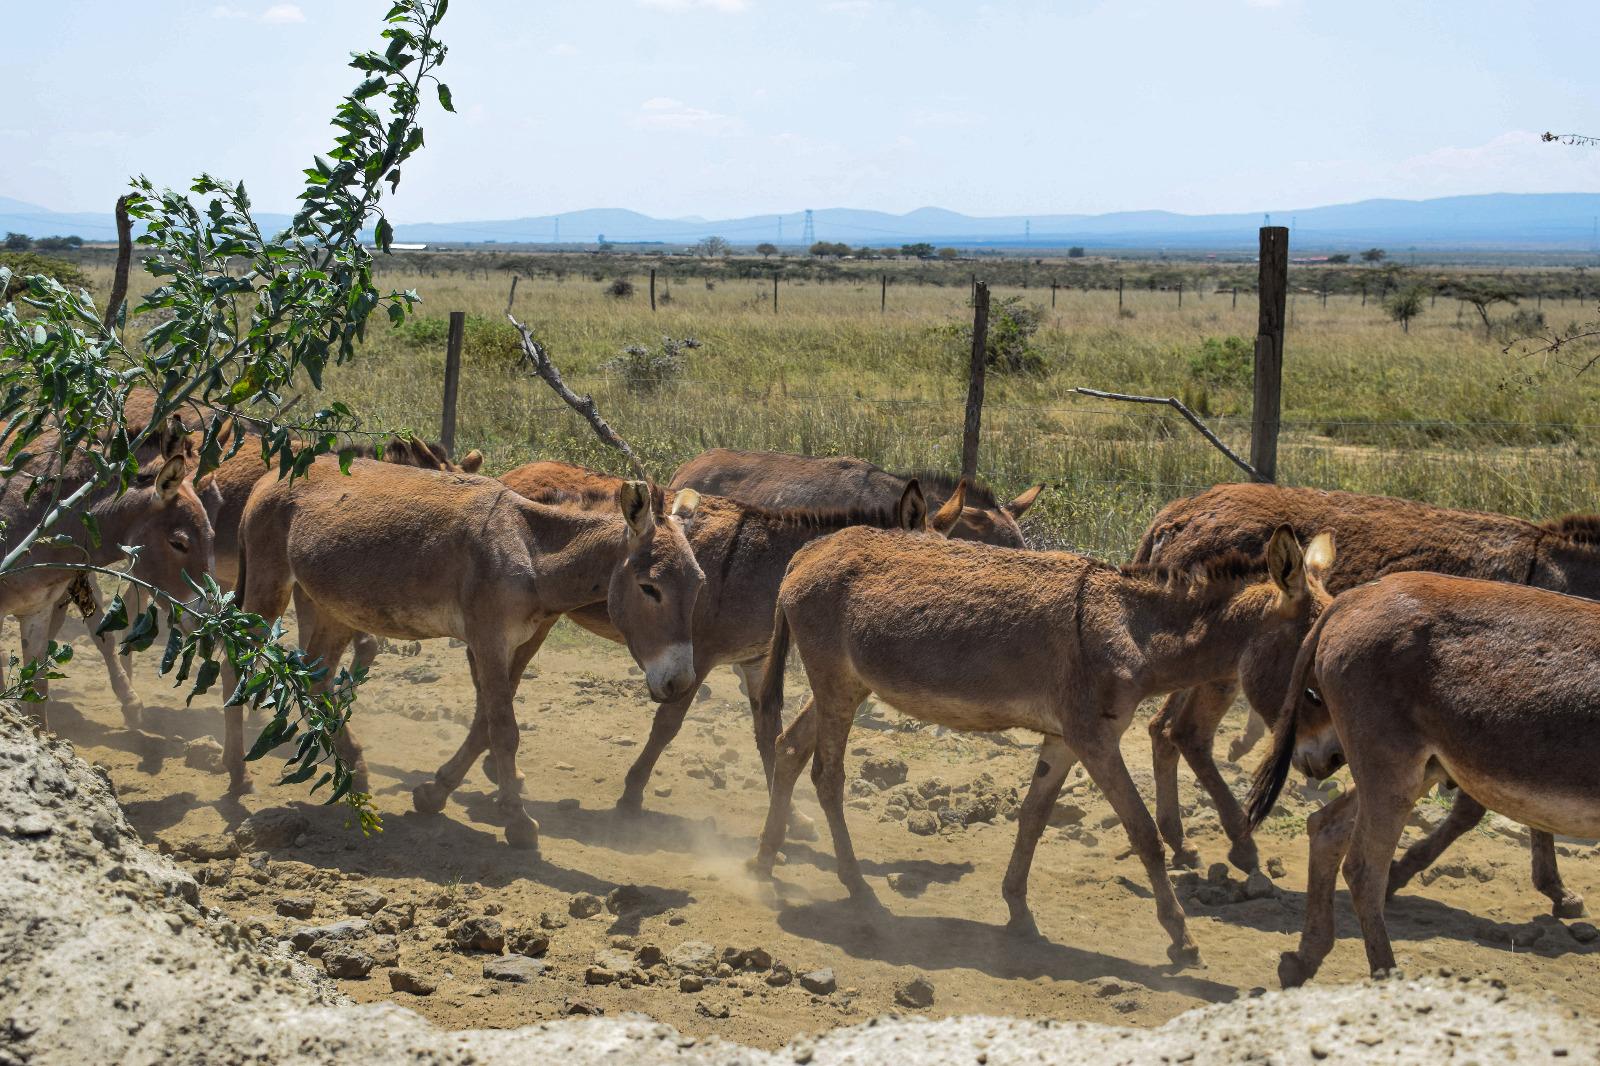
(479, 934)
(585, 905)
(916, 993)
(884, 771)
(347, 962)
(410, 981)
(820, 982)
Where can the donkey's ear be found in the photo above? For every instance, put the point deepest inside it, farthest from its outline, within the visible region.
(1320, 555)
(684, 507)
(472, 462)
(1285, 562)
(912, 510)
(170, 478)
(634, 499)
(949, 515)
(175, 438)
(1020, 505)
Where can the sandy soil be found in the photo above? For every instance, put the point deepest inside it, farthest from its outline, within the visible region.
(583, 712)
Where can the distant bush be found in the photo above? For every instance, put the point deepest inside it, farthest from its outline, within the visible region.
(22, 264)
(645, 369)
(1225, 361)
(620, 288)
(484, 342)
(1008, 344)
(1075, 252)
(1521, 323)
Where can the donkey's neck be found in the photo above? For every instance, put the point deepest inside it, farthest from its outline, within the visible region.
(574, 553)
(1188, 635)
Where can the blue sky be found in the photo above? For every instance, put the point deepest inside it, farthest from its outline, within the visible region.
(729, 107)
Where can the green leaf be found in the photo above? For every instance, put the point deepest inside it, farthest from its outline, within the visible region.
(384, 233)
(444, 97)
(116, 616)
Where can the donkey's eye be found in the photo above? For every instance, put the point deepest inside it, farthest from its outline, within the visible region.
(1314, 696)
(177, 545)
(650, 590)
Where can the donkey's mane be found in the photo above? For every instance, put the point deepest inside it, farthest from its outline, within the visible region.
(825, 517)
(1219, 573)
(941, 487)
(1578, 528)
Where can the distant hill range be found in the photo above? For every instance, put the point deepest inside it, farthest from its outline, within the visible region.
(1509, 221)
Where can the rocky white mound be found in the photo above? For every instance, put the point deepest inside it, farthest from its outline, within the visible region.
(105, 956)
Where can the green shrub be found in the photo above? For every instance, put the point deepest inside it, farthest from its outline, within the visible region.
(1008, 344)
(21, 264)
(645, 369)
(1225, 361)
(485, 341)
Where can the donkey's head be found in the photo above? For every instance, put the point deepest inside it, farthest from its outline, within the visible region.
(427, 455)
(990, 523)
(654, 589)
(1266, 662)
(911, 512)
(163, 516)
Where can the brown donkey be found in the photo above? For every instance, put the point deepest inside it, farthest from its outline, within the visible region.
(1376, 535)
(415, 554)
(979, 638)
(1418, 679)
(743, 551)
(781, 480)
(160, 513)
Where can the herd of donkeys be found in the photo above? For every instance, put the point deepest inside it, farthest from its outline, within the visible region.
(1415, 644)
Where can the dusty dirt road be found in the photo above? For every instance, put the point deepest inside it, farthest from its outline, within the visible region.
(928, 851)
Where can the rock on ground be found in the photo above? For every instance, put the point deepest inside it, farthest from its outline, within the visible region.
(105, 956)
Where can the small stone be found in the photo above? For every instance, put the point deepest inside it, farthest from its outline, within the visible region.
(268, 830)
(347, 962)
(916, 993)
(514, 969)
(1275, 867)
(1217, 874)
(647, 956)
(662, 791)
(625, 898)
(885, 771)
(410, 981)
(550, 921)
(599, 975)
(922, 823)
(1583, 932)
(693, 956)
(581, 1007)
(530, 942)
(365, 901)
(691, 982)
(212, 846)
(585, 905)
(908, 884)
(821, 982)
(479, 934)
(314, 940)
(203, 754)
(748, 958)
(716, 1011)
(1259, 886)
(295, 906)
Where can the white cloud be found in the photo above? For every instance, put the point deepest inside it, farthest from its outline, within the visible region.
(665, 113)
(725, 7)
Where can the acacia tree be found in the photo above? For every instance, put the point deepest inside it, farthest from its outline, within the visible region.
(240, 317)
(1405, 304)
(1482, 295)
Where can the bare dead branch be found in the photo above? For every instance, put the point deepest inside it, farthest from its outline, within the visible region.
(1183, 409)
(513, 297)
(119, 282)
(1571, 138)
(534, 354)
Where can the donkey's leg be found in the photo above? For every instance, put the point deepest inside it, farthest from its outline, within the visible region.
(35, 642)
(836, 711)
(266, 593)
(767, 728)
(1386, 801)
(1055, 759)
(430, 796)
(328, 643)
(1547, 878)
(498, 677)
(1164, 763)
(663, 728)
(118, 667)
(366, 651)
(1329, 829)
(1196, 738)
(791, 752)
(1095, 739)
(1465, 813)
(1255, 727)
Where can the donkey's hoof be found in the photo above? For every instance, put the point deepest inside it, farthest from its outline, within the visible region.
(1244, 856)
(1292, 972)
(523, 834)
(133, 715)
(1022, 926)
(1570, 906)
(629, 804)
(1184, 954)
(489, 770)
(801, 827)
(429, 797)
(1186, 857)
(1239, 749)
(760, 866)
(241, 785)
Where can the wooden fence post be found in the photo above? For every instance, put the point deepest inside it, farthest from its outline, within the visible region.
(452, 380)
(1180, 293)
(652, 288)
(980, 344)
(1274, 285)
(1052, 294)
(1119, 294)
(774, 294)
(883, 293)
(1236, 296)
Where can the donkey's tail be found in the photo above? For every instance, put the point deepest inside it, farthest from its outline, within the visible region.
(769, 701)
(1274, 769)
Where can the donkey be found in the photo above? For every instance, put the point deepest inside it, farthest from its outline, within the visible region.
(743, 551)
(416, 554)
(980, 638)
(1417, 679)
(778, 479)
(160, 513)
(1377, 535)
